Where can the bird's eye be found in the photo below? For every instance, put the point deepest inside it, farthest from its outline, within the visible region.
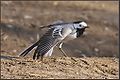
(80, 25)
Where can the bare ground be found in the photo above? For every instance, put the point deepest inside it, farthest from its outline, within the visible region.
(60, 67)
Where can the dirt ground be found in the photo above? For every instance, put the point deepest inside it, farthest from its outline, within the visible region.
(96, 53)
(60, 67)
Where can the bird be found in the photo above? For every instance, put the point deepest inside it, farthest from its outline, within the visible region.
(58, 33)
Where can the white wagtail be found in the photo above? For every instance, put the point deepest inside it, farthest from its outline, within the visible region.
(56, 35)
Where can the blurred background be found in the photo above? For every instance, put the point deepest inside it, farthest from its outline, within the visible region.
(100, 40)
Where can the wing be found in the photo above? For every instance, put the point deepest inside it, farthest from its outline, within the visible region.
(50, 39)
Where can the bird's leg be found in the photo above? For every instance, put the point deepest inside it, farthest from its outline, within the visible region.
(41, 58)
(60, 48)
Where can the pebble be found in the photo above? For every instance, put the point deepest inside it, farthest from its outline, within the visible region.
(11, 20)
(27, 17)
(96, 49)
(77, 73)
(14, 51)
(5, 38)
(106, 28)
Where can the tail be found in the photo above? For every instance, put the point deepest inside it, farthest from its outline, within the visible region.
(49, 53)
(37, 54)
(27, 50)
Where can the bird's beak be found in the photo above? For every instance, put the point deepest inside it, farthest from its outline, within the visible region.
(86, 26)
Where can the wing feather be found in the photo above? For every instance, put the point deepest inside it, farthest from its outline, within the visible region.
(47, 41)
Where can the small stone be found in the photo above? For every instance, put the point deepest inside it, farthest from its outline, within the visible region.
(10, 20)
(27, 17)
(106, 28)
(14, 51)
(77, 73)
(96, 49)
(5, 38)
(2, 33)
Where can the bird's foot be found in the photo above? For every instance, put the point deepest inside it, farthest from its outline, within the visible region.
(73, 59)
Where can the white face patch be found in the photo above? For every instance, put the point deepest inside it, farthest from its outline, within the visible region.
(83, 24)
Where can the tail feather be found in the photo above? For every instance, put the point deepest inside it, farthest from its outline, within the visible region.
(37, 55)
(49, 53)
(30, 48)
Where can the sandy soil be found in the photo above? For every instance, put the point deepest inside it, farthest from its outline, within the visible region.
(96, 52)
(60, 67)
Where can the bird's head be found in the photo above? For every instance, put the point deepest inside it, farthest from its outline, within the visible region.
(81, 24)
(80, 27)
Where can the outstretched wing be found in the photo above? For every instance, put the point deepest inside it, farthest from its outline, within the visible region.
(31, 47)
(50, 39)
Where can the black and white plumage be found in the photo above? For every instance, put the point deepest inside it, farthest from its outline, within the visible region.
(57, 34)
